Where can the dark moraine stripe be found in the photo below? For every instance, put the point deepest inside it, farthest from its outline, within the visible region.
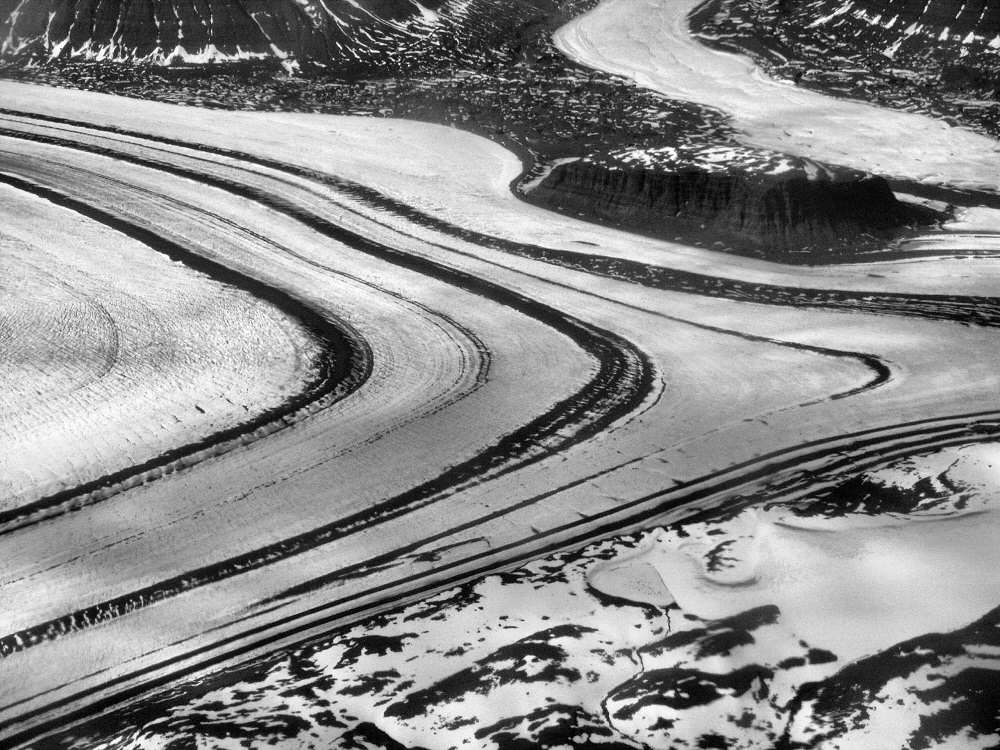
(624, 378)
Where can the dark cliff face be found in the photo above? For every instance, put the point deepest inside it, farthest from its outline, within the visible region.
(350, 35)
(764, 203)
(945, 21)
(935, 57)
(953, 44)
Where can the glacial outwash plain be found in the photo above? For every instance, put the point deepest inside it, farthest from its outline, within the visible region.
(503, 374)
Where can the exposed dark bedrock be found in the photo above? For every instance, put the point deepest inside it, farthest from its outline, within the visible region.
(916, 24)
(144, 28)
(949, 679)
(351, 37)
(938, 57)
(762, 204)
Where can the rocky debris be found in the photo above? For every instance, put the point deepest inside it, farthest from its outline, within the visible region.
(538, 657)
(910, 27)
(937, 485)
(348, 35)
(930, 691)
(520, 92)
(469, 667)
(716, 683)
(940, 57)
(757, 202)
(558, 725)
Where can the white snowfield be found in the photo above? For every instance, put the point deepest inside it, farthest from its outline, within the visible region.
(740, 393)
(96, 328)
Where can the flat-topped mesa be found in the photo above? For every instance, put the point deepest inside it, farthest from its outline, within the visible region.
(754, 201)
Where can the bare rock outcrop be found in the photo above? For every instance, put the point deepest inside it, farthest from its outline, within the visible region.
(350, 36)
(907, 25)
(949, 45)
(761, 202)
